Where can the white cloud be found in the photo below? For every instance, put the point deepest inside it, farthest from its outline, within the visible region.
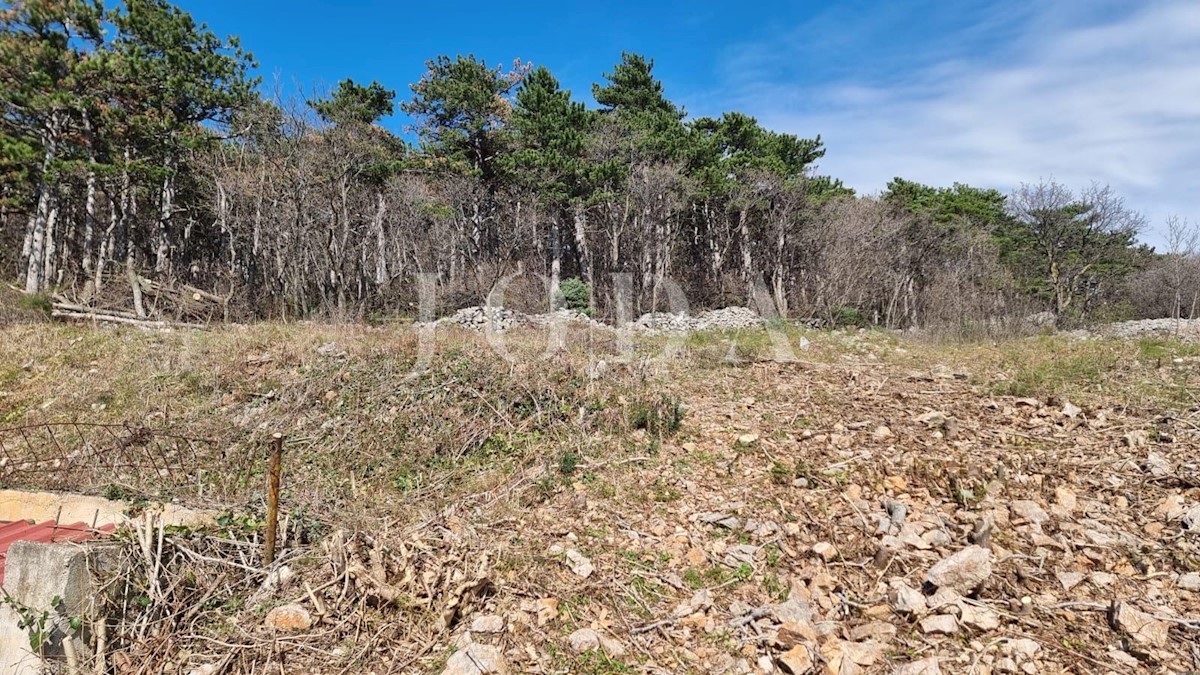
(1108, 97)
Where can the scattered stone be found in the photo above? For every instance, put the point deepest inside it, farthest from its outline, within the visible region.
(939, 624)
(584, 639)
(979, 618)
(862, 654)
(1191, 518)
(1029, 511)
(964, 571)
(1156, 464)
(1022, 647)
(825, 551)
(1139, 626)
(611, 647)
(741, 554)
(1069, 580)
(1170, 508)
(1065, 501)
(927, 666)
(797, 660)
(488, 623)
(945, 600)
(1070, 409)
(907, 600)
(1190, 582)
(747, 439)
(1124, 658)
(879, 631)
(720, 518)
(934, 418)
(579, 563)
(288, 618)
(476, 659)
(794, 609)
(793, 633)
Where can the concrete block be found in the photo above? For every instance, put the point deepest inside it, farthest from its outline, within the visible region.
(35, 575)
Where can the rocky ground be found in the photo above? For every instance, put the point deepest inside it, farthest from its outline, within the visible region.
(879, 505)
(848, 518)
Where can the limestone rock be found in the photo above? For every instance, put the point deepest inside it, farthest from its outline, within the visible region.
(288, 618)
(1139, 626)
(611, 647)
(1029, 510)
(825, 551)
(476, 659)
(584, 639)
(927, 666)
(939, 624)
(793, 633)
(797, 660)
(964, 571)
(1069, 580)
(488, 623)
(580, 564)
(979, 618)
(907, 600)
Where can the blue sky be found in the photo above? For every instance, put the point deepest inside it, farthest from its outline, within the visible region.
(987, 93)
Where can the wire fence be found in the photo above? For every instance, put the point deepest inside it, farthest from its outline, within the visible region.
(120, 461)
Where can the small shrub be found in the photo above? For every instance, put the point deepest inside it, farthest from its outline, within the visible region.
(849, 316)
(568, 462)
(663, 417)
(575, 295)
(35, 302)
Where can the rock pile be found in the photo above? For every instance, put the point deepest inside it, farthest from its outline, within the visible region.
(1187, 330)
(479, 318)
(726, 318)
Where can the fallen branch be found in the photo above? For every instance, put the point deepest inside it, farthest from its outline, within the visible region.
(113, 318)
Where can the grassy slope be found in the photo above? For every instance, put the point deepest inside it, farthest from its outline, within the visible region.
(529, 451)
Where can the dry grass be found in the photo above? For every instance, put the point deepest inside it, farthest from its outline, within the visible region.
(481, 461)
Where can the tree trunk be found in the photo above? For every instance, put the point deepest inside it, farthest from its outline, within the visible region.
(747, 256)
(37, 242)
(585, 258)
(162, 252)
(35, 262)
(381, 271)
(89, 222)
(555, 261)
(49, 263)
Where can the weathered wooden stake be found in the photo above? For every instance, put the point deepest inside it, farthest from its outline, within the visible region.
(273, 496)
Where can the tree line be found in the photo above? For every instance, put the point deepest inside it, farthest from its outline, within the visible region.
(136, 144)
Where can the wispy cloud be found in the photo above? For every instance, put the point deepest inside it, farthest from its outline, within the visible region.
(1079, 94)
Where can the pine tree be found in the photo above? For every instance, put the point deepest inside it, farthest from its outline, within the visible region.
(47, 58)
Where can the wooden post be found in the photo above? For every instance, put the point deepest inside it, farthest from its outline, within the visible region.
(273, 496)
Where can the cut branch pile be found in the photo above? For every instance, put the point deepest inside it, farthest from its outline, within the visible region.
(155, 305)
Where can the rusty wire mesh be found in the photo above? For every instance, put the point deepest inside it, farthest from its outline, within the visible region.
(115, 460)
